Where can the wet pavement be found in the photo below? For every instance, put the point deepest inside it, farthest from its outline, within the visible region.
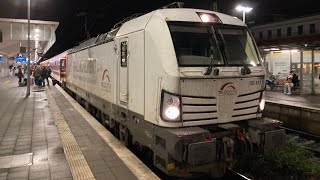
(29, 140)
(49, 136)
(306, 101)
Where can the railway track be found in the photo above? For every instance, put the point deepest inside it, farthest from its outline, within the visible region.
(309, 141)
(231, 174)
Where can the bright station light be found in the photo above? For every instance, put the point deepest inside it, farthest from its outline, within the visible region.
(242, 8)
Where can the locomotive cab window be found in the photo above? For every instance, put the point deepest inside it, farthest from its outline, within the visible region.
(124, 53)
(195, 45)
(219, 45)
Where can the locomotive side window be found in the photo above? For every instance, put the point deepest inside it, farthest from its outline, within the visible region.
(124, 53)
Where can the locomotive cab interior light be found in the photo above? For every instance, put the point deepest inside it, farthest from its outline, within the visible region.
(209, 18)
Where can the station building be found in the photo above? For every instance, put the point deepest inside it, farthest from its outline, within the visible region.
(292, 44)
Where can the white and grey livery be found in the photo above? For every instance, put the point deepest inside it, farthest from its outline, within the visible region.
(186, 84)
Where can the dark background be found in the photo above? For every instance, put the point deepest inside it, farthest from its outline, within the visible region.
(103, 14)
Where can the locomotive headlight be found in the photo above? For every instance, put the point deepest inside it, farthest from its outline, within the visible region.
(262, 103)
(172, 112)
(170, 107)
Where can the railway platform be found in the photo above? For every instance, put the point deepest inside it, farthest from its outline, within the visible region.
(295, 111)
(306, 101)
(49, 136)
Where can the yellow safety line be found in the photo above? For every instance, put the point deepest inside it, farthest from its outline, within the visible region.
(79, 167)
(137, 167)
(6, 82)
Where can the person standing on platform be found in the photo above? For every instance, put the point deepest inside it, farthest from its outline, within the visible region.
(44, 75)
(288, 85)
(36, 75)
(48, 74)
(20, 74)
(13, 70)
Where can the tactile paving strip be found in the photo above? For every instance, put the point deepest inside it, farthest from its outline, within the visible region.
(78, 165)
(138, 168)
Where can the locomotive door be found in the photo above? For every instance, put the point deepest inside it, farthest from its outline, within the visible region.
(123, 72)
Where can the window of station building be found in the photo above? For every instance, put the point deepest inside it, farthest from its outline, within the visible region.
(278, 33)
(289, 31)
(260, 35)
(269, 34)
(300, 30)
(312, 28)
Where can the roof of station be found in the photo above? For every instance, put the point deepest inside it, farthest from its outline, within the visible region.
(15, 35)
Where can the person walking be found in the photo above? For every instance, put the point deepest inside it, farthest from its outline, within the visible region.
(288, 85)
(44, 75)
(36, 75)
(20, 74)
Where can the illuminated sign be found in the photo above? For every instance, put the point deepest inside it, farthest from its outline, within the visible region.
(21, 58)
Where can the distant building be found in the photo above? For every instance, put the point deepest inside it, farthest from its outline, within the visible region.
(289, 45)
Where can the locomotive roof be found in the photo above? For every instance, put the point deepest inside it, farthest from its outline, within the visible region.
(139, 23)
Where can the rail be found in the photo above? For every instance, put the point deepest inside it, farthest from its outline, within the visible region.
(232, 174)
(312, 142)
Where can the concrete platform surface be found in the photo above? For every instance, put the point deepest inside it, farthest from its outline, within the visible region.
(49, 136)
(305, 101)
(27, 127)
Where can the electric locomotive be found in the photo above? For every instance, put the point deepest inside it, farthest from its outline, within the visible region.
(186, 84)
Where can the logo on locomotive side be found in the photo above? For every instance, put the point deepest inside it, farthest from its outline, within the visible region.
(227, 89)
(105, 80)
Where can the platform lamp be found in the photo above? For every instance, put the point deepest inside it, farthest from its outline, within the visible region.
(244, 11)
(28, 52)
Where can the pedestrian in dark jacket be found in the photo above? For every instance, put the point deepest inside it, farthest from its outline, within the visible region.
(44, 75)
(49, 74)
(20, 74)
(36, 75)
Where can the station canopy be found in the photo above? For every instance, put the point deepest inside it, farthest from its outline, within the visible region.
(14, 38)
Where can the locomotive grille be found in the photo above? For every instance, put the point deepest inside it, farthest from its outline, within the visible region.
(196, 108)
(247, 104)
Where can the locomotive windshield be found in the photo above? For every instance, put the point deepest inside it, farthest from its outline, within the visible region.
(200, 45)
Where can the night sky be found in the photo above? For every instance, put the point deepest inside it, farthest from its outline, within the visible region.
(103, 14)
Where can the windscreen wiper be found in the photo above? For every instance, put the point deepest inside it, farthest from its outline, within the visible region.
(209, 70)
(246, 68)
(224, 47)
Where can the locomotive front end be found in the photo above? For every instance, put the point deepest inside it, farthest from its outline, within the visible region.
(211, 105)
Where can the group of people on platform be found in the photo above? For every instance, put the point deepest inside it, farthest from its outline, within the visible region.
(289, 84)
(291, 81)
(40, 74)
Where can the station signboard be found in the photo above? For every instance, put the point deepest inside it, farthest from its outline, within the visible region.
(21, 58)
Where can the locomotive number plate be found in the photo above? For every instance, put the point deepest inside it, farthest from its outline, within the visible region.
(255, 83)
